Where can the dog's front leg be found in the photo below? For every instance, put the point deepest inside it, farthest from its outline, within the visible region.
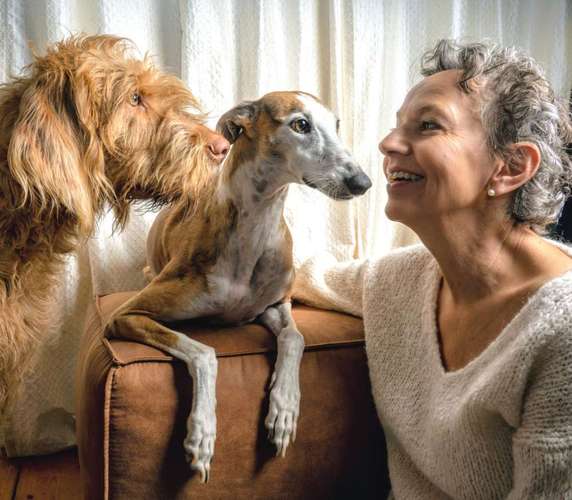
(282, 418)
(138, 320)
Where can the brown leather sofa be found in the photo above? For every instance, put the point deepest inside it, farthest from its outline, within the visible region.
(133, 401)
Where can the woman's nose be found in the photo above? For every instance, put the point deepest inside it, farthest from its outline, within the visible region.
(394, 142)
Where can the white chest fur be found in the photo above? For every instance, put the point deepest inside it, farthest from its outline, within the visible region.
(251, 273)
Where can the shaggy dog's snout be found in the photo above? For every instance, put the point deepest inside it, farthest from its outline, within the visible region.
(218, 147)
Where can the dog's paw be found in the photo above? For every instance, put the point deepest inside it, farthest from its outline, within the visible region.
(199, 443)
(282, 419)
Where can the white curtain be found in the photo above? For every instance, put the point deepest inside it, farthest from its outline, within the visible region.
(359, 57)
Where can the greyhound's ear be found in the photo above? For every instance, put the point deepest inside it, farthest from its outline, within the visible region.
(236, 121)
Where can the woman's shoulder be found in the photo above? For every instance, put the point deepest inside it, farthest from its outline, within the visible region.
(550, 315)
(553, 301)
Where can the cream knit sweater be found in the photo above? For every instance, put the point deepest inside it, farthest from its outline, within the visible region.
(501, 427)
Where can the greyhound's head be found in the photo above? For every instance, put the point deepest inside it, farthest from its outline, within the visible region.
(295, 137)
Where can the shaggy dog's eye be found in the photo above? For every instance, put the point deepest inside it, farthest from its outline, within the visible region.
(301, 126)
(135, 99)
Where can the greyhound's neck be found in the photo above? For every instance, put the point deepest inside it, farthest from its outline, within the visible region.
(253, 185)
(259, 220)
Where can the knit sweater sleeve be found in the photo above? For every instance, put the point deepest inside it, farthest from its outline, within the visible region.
(323, 282)
(542, 445)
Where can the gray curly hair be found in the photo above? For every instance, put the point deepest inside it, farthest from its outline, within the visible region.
(518, 104)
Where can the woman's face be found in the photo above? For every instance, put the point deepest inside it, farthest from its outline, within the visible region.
(436, 159)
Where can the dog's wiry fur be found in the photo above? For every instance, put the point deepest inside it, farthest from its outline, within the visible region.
(86, 125)
(227, 254)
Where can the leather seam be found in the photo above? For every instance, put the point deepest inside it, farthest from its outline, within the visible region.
(107, 430)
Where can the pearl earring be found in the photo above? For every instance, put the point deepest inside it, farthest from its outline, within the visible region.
(491, 192)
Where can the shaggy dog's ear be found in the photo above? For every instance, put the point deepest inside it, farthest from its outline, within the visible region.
(238, 120)
(49, 149)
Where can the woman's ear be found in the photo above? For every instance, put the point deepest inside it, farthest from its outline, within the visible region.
(518, 168)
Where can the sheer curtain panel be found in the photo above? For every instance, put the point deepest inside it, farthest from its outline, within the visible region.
(359, 57)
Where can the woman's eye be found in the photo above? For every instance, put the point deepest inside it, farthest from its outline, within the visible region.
(135, 99)
(301, 126)
(429, 125)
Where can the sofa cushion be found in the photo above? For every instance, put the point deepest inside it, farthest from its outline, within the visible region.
(133, 401)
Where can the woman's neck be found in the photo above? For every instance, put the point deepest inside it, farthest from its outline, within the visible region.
(480, 258)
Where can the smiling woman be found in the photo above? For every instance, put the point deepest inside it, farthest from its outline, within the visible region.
(438, 152)
(469, 337)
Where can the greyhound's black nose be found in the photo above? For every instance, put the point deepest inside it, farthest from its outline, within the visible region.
(358, 184)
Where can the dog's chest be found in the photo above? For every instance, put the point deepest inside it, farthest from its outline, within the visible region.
(248, 278)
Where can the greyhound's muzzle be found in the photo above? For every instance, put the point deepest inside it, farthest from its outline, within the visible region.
(358, 184)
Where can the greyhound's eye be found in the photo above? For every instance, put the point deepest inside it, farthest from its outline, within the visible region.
(135, 99)
(301, 126)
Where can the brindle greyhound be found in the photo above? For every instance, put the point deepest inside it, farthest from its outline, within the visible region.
(227, 255)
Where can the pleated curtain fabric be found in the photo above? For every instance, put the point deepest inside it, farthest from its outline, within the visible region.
(360, 57)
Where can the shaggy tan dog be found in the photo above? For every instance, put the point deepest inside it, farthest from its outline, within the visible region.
(87, 125)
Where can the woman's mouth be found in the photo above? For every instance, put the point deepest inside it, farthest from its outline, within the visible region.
(402, 176)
